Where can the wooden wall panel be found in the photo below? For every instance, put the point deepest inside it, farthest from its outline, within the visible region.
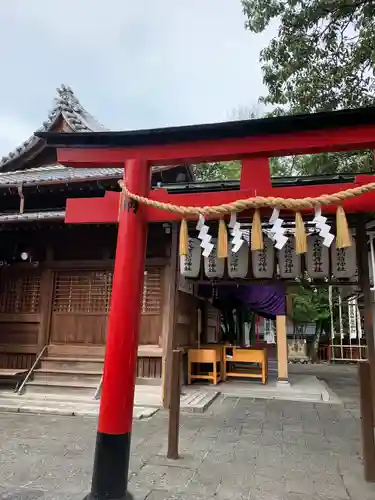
(212, 324)
(19, 333)
(78, 328)
(16, 361)
(186, 330)
(149, 367)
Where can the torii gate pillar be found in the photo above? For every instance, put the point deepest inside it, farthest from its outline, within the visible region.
(111, 465)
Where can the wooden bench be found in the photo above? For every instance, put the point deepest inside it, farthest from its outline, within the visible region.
(209, 356)
(238, 356)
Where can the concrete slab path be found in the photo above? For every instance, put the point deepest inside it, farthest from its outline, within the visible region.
(238, 449)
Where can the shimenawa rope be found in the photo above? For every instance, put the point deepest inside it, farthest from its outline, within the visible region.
(255, 202)
(343, 237)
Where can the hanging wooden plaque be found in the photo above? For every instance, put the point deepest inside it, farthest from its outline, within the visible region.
(238, 263)
(213, 266)
(352, 317)
(317, 258)
(190, 264)
(263, 261)
(344, 261)
(289, 261)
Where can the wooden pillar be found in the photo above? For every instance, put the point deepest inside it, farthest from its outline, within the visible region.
(367, 422)
(282, 349)
(46, 294)
(169, 305)
(289, 310)
(364, 282)
(174, 407)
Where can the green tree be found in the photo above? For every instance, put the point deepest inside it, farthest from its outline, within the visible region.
(311, 305)
(227, 170)
(324, 163)
(324, 55)
(323, 58)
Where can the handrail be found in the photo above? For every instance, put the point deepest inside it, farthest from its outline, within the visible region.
(29, 373)
(98, 388)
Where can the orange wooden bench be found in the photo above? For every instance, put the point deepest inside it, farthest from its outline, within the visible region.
(209, 356)
(250, 356)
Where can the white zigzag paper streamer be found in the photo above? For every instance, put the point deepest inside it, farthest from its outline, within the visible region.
(204, 237)
(277, 231)
(322, 227)
(236, 233)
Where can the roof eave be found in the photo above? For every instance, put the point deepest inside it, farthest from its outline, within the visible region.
(215, 131)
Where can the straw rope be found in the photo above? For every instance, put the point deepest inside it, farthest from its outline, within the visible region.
(255, 202)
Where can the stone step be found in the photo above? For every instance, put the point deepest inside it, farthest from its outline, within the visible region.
(74, 364)
(43, 375)
(67, 408)
(197, 401)
(67, 389)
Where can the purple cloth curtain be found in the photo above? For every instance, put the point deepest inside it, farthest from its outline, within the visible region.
(263, 299)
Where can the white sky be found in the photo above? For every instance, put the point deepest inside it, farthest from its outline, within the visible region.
(132, 63)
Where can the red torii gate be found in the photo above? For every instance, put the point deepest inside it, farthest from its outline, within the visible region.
(252, 141)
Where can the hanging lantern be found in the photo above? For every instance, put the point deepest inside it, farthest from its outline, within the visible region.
(289, 260)
(214, 266)
(263, 261)
(317, 258)
(344, 261)
(238, 262)
(190, 264)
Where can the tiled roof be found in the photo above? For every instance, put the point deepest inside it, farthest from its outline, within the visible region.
(56, 173)
(66, 105)
(32, 216)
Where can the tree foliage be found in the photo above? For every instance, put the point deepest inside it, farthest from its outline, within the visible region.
(324, 55)
(227, 170)
(310, 304)
(322, 59)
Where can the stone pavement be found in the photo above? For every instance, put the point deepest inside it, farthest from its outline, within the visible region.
(239, 449)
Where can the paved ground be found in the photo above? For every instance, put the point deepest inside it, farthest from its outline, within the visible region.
(239, 449)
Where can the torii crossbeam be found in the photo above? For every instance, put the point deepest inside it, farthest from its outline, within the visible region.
(253, 142)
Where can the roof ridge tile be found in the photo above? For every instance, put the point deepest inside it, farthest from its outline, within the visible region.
(66, 104)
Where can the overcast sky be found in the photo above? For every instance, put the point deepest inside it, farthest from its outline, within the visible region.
(132, 63)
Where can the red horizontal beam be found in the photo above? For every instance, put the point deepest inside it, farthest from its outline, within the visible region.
(105, 210)
(315, 141)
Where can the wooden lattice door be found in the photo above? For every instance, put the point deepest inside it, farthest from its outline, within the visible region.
(80, 307)
(19, 307)
(81, 303)
(152, 305)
